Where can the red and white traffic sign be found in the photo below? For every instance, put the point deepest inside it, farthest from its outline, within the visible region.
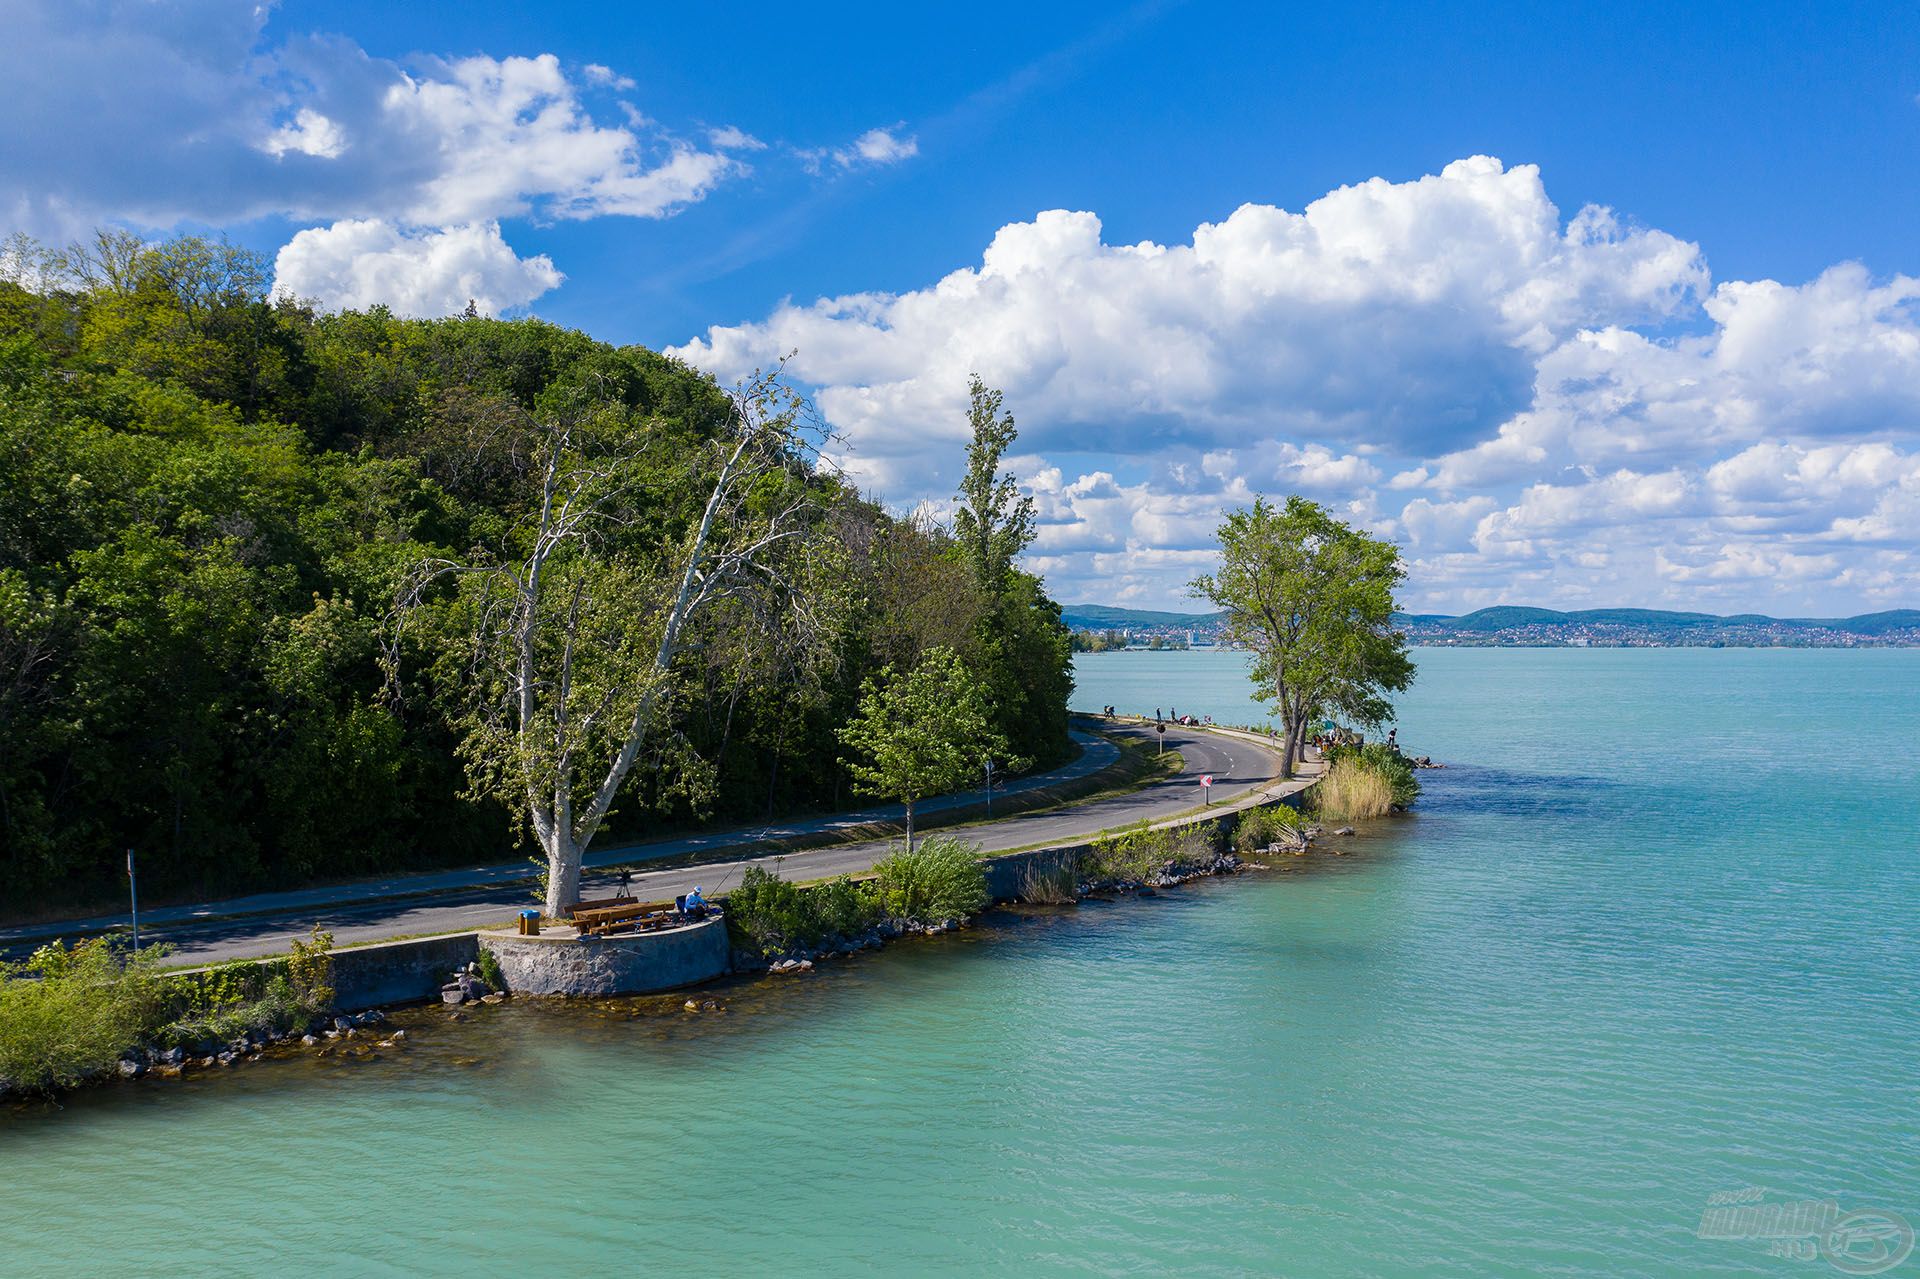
(1206, 779)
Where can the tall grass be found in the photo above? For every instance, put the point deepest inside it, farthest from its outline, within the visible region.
(1051, 884)
(1353, 790)
(1364, 781)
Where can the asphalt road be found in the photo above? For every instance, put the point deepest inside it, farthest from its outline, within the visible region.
(1237, 765)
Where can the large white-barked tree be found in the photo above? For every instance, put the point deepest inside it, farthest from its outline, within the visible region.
(635, 545)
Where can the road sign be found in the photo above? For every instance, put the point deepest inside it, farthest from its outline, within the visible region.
(1206, 779)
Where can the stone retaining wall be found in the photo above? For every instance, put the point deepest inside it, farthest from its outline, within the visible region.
(398, 972)
(623, 964)
(1010, 874)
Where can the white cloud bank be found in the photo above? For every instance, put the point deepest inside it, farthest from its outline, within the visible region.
(1541, 410)
(158, 115)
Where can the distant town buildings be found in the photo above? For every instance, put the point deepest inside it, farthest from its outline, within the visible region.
(1106, 630)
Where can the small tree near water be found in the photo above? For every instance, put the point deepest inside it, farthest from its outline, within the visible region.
(1312, 598)
(920, 734)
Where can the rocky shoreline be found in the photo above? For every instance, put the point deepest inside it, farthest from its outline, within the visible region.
(361, 1035)
(1172, 874)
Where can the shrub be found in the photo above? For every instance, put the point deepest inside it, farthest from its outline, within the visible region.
(940, 878)
(1138, 853)
(310, 969)
(1259, 827)
(490, 970)
(767, 913)
(66, 1013)
(843, 907)
(233, 999)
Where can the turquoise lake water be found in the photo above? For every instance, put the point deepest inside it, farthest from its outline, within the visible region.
(1653, 935)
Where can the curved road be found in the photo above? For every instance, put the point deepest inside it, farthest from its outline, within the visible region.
(1237, 764)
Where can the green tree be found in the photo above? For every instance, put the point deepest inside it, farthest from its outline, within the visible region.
(1021, 647)
(575, 628)
(995, 521)
(1312, 598)
(921, 734)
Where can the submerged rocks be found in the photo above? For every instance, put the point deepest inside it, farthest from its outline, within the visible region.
(465, 987)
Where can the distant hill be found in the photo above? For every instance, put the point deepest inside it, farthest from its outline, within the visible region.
(1101, 617)
(1510, 624)
(1508, 617)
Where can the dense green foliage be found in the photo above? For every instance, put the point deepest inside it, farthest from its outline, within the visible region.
(209, 503)
(940, 878)
(1268, 824)
(769, 915)
(69, 1013)
(83, 1009)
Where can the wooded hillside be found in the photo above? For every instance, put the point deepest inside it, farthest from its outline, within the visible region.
(209, 501)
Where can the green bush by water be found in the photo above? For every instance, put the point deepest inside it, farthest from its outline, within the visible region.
(71, 1012)
(940, 878)
(1138, 853)
(769, 914)
(68, 1013)
(1259, 827)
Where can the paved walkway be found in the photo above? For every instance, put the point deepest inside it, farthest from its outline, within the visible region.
(456, 900)
(1095, 754)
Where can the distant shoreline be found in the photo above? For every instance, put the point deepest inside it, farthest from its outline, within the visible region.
(1856, 643)
(1512, 626)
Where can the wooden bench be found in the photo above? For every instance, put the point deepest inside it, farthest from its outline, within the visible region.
(599, 903)
(596, 920)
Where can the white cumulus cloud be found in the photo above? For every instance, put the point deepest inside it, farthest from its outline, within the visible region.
(1539, 409)
(1410, 313)
(368, 262)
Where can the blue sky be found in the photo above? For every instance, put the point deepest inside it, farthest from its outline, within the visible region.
(1593, 337)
